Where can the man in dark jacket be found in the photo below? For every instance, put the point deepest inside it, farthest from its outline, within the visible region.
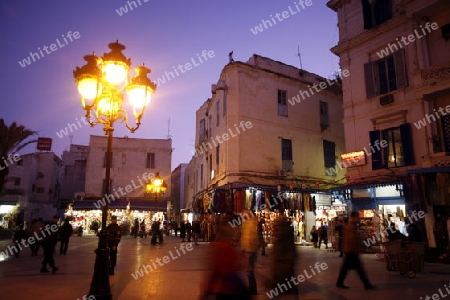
(49, 243)
(65, 232)
(188, 227)
(114, 235)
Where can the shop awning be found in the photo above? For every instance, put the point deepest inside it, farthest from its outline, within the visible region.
(149, 205)
(429, 170)
(89, 204)
(363, 204)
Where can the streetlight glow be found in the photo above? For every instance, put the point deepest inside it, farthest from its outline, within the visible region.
(104, 81)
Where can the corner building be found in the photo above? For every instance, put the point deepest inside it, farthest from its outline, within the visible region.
(254, 141)
(398, 55)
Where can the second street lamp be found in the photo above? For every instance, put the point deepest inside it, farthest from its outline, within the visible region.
(103, 84)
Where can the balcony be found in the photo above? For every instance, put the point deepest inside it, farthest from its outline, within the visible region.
(436, 74)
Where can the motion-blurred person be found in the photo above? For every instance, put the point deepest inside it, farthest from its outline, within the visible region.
(314, 234)
(65, 232)
(260, 231)
(49, 243)
(340, 229)
(114, 235)
(196, 230)
(36, 231)
(323, 235)
(250, 245)
(183, 231)
(188, 228)
(223, 279)
(351, 249)
(284, 255)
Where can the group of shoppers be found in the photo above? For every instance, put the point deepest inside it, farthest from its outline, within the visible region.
(44, 238)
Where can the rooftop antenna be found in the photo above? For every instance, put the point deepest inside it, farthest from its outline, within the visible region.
(168, 129)
(300, 60)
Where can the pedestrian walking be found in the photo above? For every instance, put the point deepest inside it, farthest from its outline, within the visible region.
(323, 235)
(183, 231)
(188, 227)
(260, 231)
(340, 231)
(36, 231)
(196, 230)
(314, 235)
(175, 227)
(250, 245)
(49, 243)
(284, 254)
(114, 236)
(65, 232)
(223, 279)
(351, 249)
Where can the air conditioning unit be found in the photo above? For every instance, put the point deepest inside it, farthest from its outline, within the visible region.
(79, 196)
(281, 172)
(386, 99)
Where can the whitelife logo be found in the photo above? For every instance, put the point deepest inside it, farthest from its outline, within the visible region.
(280, 17)
(391, 48)
(35, 56)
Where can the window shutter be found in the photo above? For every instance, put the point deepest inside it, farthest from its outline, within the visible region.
(376, 157)
(407, 145)
(400, 69)
(367, 14)
(370, 79)
(329, 154)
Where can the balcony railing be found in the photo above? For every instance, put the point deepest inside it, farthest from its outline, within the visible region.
(437, 73)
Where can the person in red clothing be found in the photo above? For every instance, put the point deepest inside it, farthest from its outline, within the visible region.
(351, 249)
(223, 280)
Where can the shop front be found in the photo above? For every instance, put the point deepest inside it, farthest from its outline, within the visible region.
(84, 214)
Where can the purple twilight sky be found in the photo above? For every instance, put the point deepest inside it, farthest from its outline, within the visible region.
(43, 97)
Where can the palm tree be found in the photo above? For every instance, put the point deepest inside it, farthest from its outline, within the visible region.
(12, 139)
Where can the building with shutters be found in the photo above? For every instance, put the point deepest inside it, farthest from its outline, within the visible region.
(397, 96)
(267, 128)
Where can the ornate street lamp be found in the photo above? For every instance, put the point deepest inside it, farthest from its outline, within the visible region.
(156, 186)
(103, 84)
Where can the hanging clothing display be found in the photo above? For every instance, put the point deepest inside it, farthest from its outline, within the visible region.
(307, 202)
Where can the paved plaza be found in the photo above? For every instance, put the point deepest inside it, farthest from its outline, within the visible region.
(181, 276)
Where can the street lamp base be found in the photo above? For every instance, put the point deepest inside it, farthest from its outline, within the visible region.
(100, 288)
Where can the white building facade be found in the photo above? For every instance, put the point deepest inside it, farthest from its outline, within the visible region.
(267, 127)
(34, 183)
(398, 93)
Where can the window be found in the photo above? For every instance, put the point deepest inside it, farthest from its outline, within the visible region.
(286, 154)
(329, 154)
(386, 75)
(201, 137)
(217, 154)
(150, 162)
(208, 133)
(399, 149)
(16, 181)
(324, 119)
(211, 167)
(376, 12)
(282, 104)
(224, 109)
(218, 113)
(201, 175)
(40, 190)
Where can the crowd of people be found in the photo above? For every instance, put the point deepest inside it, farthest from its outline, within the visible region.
(43, 238)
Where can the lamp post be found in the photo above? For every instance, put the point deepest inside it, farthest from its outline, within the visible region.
(156, 186)
(103, 84)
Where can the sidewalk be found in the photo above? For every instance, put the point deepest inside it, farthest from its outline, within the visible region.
(181, 278)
